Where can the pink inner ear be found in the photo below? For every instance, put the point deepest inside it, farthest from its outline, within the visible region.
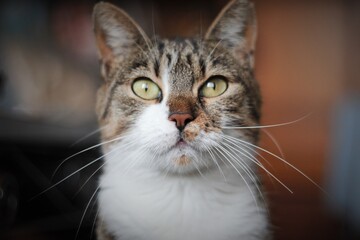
(105, 51)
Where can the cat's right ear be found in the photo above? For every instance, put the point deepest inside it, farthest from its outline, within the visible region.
(117, 35)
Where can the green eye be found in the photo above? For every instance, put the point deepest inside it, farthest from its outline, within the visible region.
(213, 87)
(146, 89)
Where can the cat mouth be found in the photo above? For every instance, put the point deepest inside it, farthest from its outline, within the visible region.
(181, 143)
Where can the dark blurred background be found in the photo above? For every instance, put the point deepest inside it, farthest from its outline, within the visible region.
(307, 61)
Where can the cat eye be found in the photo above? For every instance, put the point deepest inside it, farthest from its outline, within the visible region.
(146, 89)
(213, 87)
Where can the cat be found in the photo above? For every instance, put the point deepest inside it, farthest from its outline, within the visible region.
(173, 169)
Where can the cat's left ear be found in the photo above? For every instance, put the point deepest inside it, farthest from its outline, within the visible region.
(235, 29)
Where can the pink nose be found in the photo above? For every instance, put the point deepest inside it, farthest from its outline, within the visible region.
(181, 119)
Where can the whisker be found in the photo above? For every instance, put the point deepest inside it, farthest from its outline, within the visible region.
(94, 223)
(267, 126)
(260, 165)
(244, 166)
(212, 51)
(135, 160)
(153, 24)
(219, 157)
(203, 162)
(84, 150)
(97, 212)
(147, 44)
(246, 169)
(88, 135)
(136, 157)
(143, 51)
(138, 154)
(214, 160)
(272, 138)
(252, 150)
(88, 179)
(87, 206)
(243, 151)
(197, 167)
(72, 174)
(248, 186)
(98, 169)
(249, 172)
(283, 160)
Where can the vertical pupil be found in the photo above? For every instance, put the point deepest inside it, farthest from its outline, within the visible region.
(145, 87)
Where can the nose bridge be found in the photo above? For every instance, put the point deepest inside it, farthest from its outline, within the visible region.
(181, 104)
(180, 98)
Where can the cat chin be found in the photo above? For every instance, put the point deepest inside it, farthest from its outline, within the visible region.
(185, 170)
(182, 159)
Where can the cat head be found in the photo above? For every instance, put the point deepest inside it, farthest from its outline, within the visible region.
(168, 102)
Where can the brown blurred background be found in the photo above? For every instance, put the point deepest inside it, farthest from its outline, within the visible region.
(307, 62)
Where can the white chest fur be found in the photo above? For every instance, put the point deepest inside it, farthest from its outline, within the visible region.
(143, 204)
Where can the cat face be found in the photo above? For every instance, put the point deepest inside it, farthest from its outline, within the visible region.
(165, 103)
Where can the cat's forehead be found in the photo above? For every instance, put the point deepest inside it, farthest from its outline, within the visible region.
(189, 59)
(180, 55)
(181, 63)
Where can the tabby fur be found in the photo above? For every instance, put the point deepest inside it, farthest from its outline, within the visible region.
(151, 187)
